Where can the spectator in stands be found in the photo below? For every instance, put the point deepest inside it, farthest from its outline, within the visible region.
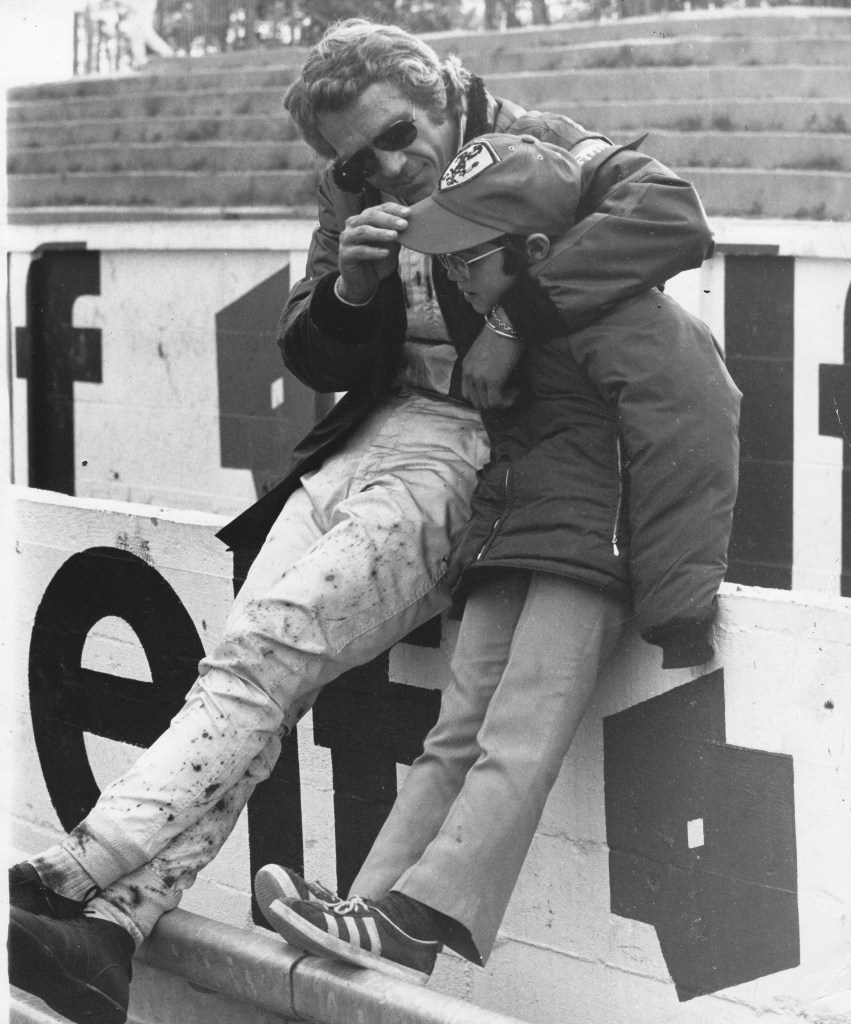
(138, 24)
(576, 513)
(355, 540)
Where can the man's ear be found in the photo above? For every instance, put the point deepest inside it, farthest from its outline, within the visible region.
(537, 247)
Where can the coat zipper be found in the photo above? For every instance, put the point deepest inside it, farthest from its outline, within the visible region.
(619, 502)
(492, 535)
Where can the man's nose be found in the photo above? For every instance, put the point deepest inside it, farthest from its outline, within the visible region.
(456, 274)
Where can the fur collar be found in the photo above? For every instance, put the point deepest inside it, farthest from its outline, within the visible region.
(478, 122)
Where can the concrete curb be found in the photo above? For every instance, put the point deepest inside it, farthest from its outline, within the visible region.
(258, 968)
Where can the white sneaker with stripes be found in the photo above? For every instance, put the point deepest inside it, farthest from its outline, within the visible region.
(274, 882)
(355, 931)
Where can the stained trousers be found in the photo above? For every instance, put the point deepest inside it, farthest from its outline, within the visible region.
(525, 667)
(353, 563)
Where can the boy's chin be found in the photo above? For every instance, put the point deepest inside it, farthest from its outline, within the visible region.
(476, 303)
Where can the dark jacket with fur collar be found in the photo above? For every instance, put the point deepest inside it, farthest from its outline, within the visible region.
(641, 225)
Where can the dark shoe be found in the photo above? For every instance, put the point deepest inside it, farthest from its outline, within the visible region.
(28, 892)
(80, 967)
(274, 882)
(357, 932)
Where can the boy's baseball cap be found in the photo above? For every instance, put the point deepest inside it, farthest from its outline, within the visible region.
(496, 185)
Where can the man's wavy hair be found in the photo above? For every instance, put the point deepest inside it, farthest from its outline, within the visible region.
(355, 54)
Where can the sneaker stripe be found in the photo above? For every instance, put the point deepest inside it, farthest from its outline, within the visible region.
(363, 938)
(304, 926)
(373, 938)
(351, 931)
(333, 925)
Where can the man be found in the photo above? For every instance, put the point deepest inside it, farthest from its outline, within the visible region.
(355, 540)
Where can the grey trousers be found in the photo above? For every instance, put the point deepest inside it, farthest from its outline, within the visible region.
(523, 672)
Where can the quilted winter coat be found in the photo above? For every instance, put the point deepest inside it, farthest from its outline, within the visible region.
(617, 467)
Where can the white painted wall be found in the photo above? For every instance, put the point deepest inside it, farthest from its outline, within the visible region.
(562, 955)
(820, 290)
(149, 432)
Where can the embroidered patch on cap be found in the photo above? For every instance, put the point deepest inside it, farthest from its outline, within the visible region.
(583, 152)
(472, 160)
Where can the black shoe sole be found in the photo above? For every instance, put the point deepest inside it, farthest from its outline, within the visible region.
(35, 968)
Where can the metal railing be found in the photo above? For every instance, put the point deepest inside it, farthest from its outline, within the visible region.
(99, 45)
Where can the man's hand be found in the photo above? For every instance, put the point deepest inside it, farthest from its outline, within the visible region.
(369, 250)
(486, 369)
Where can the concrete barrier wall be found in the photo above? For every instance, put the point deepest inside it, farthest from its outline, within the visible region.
(691, 866)
(145, 369)
(145, 361)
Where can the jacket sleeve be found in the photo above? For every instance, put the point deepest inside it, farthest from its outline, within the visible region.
(638, 225)
(678, 414)
(659, 368)
(329, 345)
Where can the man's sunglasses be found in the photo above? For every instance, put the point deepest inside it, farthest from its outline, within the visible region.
(351, 175)
(460, 266)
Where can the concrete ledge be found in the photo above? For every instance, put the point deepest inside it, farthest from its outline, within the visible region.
(233, 155)
(196, 970)
(695, 83)
(675, 51)
(257, 968)
(798, 21)
(173, 76)
(161, 130)
(26, 1009)
(764, 151)
(168, 188)
(810, 195)
(721, 146)
(790, 114)
(203, 102)
(524, 86)
(725, 191)
(130, 227)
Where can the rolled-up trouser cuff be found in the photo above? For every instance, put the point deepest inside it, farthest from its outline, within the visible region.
(137, 903)
(103, 850)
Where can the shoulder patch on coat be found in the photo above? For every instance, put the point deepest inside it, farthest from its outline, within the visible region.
(588, 148)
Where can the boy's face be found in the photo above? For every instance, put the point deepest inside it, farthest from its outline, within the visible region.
(483, 280)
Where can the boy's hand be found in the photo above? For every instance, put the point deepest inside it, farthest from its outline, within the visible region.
(369, 249)
(486, 369)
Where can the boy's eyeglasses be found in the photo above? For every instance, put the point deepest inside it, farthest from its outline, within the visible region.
(461, 266)
(352, 174)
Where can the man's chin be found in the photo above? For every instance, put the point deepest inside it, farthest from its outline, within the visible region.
(409, 197)
(419, 188)
(414, 197)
